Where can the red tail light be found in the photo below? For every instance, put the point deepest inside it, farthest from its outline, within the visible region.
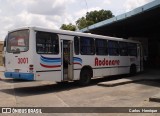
(31, 68)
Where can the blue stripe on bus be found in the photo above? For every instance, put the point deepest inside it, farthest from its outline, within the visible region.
(51, 63)
(50, 58)
(46, 60)
(76, 58)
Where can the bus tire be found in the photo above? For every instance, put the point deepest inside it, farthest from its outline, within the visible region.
(133, 70)
(85, 76)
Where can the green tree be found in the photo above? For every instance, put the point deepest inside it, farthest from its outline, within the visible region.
(90, 19)
(70, 27)
(93, 17)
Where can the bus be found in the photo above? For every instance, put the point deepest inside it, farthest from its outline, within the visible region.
(35, 53)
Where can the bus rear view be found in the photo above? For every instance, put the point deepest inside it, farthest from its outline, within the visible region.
(17, 55)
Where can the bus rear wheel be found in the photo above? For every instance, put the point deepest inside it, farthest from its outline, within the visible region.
(133, 70)
(85, 77)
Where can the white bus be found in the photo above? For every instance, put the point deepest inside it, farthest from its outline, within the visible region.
(34, 53)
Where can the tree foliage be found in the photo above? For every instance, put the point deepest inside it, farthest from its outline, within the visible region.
(70, 27)
(93, 17)
(90, 19)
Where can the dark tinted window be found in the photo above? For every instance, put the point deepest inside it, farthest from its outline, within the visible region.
(123, 48)
(76, 45)
(113, 48)
(47, 43)
(101, 46)
(87, 46)
(132, 49)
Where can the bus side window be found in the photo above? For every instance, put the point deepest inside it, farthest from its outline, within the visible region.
(132, 49)
(76, 45)
(47, 43)
(123, 48)
(55, 44)
(113, 48)
(101, 47)
(87, 46)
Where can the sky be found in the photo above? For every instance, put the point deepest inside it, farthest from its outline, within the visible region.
(53, 13)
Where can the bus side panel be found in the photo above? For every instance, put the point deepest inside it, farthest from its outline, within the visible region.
(45, 71)
(101, 69)
(47, 66)
(88, 60)
(77, 65)
(48, 69)
(49, 76)
(114, 68)
(77, 74)
(102, 72)
(124, 66)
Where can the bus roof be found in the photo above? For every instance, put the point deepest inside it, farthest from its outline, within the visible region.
(66, 32)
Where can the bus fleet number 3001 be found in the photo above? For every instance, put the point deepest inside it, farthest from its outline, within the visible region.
(22, 60)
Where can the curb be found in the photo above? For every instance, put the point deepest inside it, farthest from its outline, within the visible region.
(116, 82)
(154, 99)
(109, 84)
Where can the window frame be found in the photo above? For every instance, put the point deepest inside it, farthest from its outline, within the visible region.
(91, 47)
(7, 40)
(52, 35)
(75, 48)
(96, 46)
(112, 48)
(120, 48)
(132, 49)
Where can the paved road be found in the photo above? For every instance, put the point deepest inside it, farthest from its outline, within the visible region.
(50, 94)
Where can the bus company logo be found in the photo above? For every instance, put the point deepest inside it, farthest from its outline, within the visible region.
(106, 62)
(77, 60)
(50, 62)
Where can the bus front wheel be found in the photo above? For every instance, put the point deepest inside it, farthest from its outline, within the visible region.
(85, 77)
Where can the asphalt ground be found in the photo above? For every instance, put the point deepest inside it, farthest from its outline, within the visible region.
(20, 93)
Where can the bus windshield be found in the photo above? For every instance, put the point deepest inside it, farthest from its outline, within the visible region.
(18, 41)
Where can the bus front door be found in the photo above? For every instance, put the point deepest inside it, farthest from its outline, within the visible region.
(67, 59)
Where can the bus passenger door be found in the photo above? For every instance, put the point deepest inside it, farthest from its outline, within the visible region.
(67, 59)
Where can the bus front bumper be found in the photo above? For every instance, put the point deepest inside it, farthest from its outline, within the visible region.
(17, 75)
